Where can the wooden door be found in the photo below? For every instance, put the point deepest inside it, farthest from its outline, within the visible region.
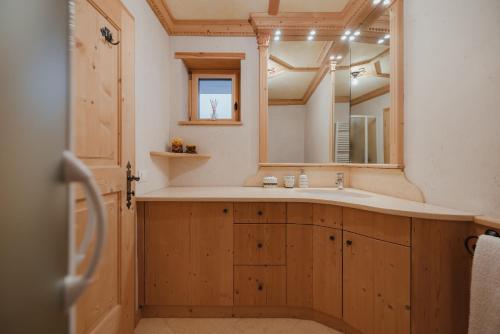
(211, 281)
(358, 284)
(299, 271)
(327, 271)
(102, 106)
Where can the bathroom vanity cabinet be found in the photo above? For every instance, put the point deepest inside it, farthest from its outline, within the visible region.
(354, 270)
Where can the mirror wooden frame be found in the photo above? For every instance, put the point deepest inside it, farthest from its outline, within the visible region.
(264, 27)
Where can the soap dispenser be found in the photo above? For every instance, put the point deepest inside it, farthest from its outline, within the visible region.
(303, 179)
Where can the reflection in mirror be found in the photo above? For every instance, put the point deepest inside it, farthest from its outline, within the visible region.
(300, 102)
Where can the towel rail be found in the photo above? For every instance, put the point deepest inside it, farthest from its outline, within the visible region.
(470, 241)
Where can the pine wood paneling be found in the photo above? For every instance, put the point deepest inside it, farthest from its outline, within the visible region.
(256, 244)
(299, 254)
(260, 285)
(380, 226)
(327, 215)
(249, 213)
(327, 271)
(299, 213)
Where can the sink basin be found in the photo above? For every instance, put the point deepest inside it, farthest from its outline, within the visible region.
(333, 192)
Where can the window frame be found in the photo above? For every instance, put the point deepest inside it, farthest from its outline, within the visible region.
(193, 98)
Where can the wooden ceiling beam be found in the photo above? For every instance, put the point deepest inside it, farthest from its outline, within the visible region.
(290, 67)
(273, 8)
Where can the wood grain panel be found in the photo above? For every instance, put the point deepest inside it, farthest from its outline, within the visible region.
(327, 270)
(358, 283)
(441, 269)
(299, 213)
(380, 226)
(211, 263)
(327, 215)
(299, 253)
(260, 285)
(167, 251)
(257, 212)
(259, 244)
(392, 288)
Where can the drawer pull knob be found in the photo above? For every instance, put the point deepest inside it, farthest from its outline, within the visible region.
(260, 213)
(332, 237)
(259, 245)
(348, 242)
(260, 287)
(225, 210)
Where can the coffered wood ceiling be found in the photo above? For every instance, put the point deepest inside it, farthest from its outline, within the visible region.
(248, 18)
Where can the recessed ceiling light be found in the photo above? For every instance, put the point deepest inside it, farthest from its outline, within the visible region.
(387, 36)
(332, 57)
(339, 57)
(354, 81)
(343, 38)
(276, 38)
(376, 2)
(386, 2)
(380, 41)
(347, 32)
(312, 32)
(310, 37)
(357, 33)
(277, 32)
(352, 38)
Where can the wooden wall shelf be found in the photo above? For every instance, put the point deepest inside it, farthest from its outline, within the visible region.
(171, 155)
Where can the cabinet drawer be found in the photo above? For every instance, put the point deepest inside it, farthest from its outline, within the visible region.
(250, 213)
(327, 215)
(260, 285)
(259, 244)
(390, 228)
(299, 213)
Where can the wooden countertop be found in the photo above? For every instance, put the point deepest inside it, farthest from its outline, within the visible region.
(351, 198)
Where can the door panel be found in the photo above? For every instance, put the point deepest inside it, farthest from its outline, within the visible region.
(299, 266)
(102, 117)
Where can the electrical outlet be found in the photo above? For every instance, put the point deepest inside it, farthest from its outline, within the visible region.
(143, 174)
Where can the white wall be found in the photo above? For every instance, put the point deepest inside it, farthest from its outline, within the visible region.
(234, 149)
(286, 133)
(375, 107)
(452, 102)
(152, 85)
(317, 129)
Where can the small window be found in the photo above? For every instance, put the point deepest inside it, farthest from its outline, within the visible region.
(214, 96)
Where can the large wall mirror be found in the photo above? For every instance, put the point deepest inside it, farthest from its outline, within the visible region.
(335, 100)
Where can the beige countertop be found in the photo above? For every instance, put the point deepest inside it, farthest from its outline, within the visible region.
(351, 198)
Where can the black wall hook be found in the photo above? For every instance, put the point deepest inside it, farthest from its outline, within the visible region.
(108, 36)
(470, 241)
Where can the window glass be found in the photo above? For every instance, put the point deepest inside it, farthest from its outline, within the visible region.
(215, 100)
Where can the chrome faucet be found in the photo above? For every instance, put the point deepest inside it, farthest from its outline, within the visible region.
(339, 182)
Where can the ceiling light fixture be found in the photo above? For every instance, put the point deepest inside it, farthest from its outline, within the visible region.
(310, 37)
(343, 38)
(339, 57)
(387, 36)
(357, 33)
(332, 57)
(352, 38)
(276, 38)
(376, 2)
(277, 33)
(380, 41)
(386, 2)
(347, 32)
(312, 32)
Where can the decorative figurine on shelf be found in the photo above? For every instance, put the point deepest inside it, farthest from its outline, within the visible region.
(176, 144)
(213, 102)
(191, 149)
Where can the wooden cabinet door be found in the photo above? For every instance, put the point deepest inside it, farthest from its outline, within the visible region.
(260, 285)
(358, 284)
(299, 255)
(167, 253)
(327, 270)
(102, 122)
(376, 290)
(211, 281)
